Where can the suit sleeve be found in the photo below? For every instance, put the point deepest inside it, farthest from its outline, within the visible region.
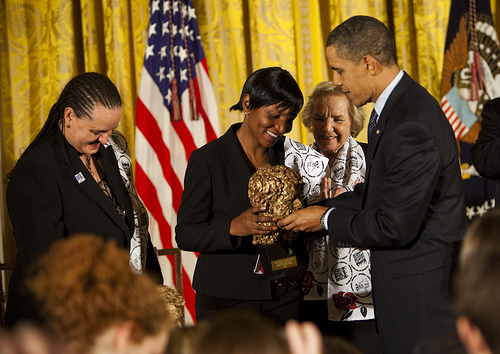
(403, 186)
(35, 209)
(486, 150)
(199, 228)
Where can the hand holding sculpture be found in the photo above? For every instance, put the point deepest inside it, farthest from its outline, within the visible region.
(277, 188)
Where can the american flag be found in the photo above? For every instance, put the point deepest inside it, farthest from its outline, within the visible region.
(176, 113)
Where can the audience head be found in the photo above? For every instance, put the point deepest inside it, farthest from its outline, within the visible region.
(484, 232)
(90, 299)
(337, 344)
(241, 331)
(28, 338)
(183, 340)
(476, 285)
(477, 292)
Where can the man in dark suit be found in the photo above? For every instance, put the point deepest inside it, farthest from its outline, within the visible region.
(486, 151)
(410, 211)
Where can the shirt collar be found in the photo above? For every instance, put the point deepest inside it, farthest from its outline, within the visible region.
(381, 101)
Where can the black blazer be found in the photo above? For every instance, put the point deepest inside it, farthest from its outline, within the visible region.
(215, 192)
(486, 151)
(46, 203)
(410, 214)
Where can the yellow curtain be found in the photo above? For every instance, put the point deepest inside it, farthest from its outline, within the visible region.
(241, 37)
(43, 43)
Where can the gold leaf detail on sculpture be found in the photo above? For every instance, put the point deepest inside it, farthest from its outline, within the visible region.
(277, 188)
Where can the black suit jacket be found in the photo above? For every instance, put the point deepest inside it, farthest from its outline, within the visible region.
(486, 151)
(215, 192)
(46, 203)
(409, 213)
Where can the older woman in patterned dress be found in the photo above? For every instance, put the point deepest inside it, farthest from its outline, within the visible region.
(337, 288)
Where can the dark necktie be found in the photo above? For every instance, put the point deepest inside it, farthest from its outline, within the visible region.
(371, 124)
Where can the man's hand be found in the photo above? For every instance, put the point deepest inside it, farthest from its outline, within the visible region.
(304, 219)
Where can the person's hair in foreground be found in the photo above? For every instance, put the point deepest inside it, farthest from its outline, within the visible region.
(477, 291)
(476, 282)
(483, 232)
(241, 331)
(269, 86)
(183, 339)
(325, 89)
(85, 286)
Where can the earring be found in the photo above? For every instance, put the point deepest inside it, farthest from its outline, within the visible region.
(67, 125)
(246, 113)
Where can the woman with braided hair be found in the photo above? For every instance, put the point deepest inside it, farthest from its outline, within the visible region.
(75, 177)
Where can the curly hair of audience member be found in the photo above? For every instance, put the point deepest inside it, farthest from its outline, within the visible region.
(85, 285)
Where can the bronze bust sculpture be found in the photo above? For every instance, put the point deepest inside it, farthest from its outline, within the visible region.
(277, 188)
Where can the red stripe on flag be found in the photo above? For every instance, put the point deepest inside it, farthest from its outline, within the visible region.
(162, 139)
(151, 131)
(185, 135)
(211, 135)
(461, 132)
(149, 195)
(209, 131)
(180, 127)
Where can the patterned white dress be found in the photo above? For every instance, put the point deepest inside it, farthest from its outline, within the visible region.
(340, 273)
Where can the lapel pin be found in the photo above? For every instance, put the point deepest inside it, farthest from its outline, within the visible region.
(377, 132)
(79, 177)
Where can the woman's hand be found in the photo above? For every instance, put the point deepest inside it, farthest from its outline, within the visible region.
(247, 223)
(326, 184)
(326, 189)
(303, 337)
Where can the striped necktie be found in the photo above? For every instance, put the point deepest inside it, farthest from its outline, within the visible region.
(371, 124)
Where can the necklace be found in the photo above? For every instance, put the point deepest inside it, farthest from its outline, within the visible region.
(92, 166)
(87, 160)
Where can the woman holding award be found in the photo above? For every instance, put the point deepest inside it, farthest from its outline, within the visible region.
(215, 217)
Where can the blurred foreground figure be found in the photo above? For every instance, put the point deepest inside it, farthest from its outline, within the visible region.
(477, 286)
(91, 301)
